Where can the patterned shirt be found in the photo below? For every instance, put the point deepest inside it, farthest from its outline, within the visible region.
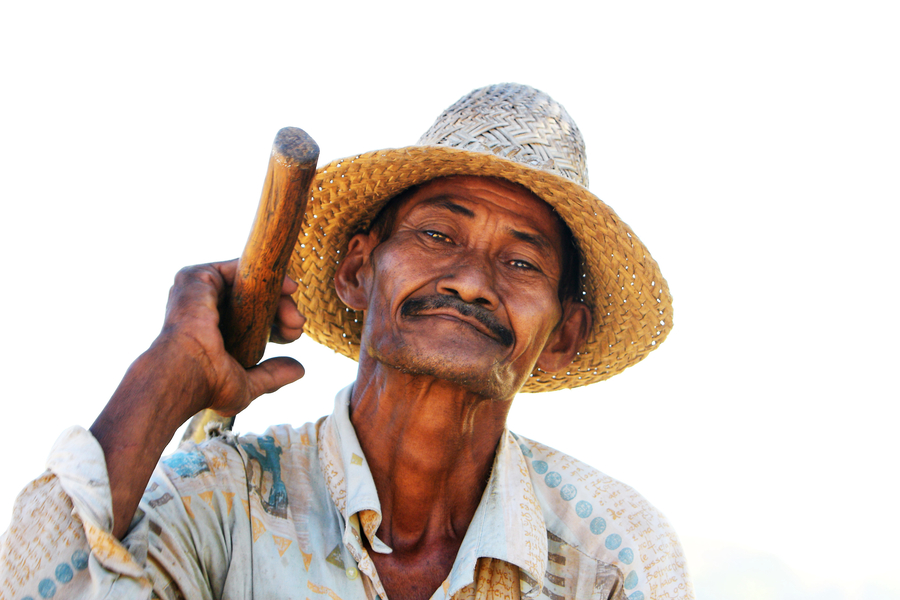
(282, 515)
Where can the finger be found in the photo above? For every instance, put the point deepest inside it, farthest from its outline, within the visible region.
(227, 268)
(288, 325)
(273, 374)
(289, 286)
(196, 288)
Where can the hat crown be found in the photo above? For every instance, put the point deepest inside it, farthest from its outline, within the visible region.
(516, 122)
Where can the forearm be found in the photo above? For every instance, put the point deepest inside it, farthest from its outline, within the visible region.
(185, 370)
(157, 395)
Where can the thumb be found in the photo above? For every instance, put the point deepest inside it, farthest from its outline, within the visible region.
(273, 374)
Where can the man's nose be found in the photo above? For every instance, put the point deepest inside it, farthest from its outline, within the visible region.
(472, 279)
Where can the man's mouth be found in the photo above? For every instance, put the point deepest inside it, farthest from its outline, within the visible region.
(415, 307)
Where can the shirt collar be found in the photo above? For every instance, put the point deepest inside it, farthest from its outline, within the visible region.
(348, 476)
(508, 524)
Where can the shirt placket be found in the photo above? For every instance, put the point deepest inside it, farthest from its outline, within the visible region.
(364, 565)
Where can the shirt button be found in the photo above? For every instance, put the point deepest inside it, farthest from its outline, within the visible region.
(352, 573)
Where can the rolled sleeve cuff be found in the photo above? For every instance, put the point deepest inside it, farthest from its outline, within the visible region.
(78, 462)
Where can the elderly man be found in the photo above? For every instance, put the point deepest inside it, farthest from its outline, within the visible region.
(458, 272)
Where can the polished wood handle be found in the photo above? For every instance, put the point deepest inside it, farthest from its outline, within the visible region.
(248, 314)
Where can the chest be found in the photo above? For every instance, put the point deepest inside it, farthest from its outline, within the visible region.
(415, 576)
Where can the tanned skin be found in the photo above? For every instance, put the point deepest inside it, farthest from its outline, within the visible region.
(185, 370)
(434, 389)
(460, 304)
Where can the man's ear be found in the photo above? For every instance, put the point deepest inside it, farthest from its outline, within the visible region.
(351, 281)
(567, 338)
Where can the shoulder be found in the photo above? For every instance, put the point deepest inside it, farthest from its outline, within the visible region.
(279, 441)
(226, 456)
(607, 521)
(211, 476)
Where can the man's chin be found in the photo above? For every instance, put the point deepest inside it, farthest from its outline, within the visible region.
(463, 371)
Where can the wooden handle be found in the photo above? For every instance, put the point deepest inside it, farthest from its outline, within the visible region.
(249, 313)
(248, 317)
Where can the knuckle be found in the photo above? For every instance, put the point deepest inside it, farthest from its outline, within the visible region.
(197, 273)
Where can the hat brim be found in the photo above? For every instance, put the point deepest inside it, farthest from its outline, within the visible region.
(623, 287)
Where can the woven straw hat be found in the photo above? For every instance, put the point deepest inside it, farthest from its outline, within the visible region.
(519, 134)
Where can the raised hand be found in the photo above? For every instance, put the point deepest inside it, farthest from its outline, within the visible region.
(191, 333)
(185, 370)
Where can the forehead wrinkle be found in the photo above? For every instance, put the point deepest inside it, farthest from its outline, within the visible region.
(538, 241)
(446, 202)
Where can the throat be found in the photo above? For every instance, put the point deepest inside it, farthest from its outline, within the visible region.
(414, 574)
(430, 450)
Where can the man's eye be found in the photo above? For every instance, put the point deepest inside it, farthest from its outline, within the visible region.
(437, 235)
(521, 264)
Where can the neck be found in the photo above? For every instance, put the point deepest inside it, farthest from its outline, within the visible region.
(430, 446)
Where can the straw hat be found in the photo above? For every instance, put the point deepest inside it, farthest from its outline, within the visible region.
(519, 134)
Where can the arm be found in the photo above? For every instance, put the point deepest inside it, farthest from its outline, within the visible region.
(185, 370)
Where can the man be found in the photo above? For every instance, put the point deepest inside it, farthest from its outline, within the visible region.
(458, 272)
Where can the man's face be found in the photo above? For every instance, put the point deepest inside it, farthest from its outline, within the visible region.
(466, 286)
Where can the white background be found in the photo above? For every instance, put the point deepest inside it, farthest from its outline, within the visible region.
(752, 146)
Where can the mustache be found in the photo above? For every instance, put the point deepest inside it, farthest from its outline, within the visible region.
(416, 306)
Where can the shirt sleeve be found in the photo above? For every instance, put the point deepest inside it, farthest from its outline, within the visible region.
(60, 544)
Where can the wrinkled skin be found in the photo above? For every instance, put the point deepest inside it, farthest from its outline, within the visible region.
(492, 250)
(461, 302)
